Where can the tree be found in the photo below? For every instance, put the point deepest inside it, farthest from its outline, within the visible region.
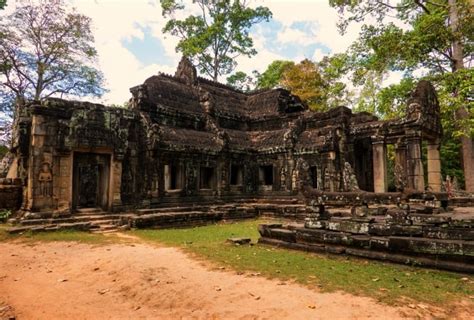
(437, 37)
(241, 81)
(271, 77)
(3, 3)
(215, 37)
(304, 80)
(46, 49)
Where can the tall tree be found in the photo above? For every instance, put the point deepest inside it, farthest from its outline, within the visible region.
(436, 36)
(304, 80)
(216, 36)
(242, 81)
(47, 49)
(273, 75)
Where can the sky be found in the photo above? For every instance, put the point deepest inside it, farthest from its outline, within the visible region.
(131, 46)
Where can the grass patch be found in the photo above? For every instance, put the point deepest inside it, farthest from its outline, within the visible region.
(66, 235)
(386, 282)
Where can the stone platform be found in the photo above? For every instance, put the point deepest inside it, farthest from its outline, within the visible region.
(413, 235)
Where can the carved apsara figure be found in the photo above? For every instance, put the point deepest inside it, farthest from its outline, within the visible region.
(349, 178)
(45, 179)
(400, 177)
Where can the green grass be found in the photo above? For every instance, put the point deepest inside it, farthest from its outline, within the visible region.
(389, 283)
(67, 235)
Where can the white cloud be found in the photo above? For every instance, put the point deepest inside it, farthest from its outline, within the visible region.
(116, 21)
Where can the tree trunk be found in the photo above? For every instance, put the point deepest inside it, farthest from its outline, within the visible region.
(467, 143)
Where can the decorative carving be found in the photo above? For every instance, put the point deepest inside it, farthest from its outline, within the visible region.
(45, 180)
(283, 177)
(349, 178)
(400, 177)
(186, 71)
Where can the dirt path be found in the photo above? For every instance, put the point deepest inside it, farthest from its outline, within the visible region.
(140, 281)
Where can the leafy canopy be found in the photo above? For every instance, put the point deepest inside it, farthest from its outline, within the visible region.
(46, 49)
(271, 77)
(304, 80)
(431, 38)
(413, 37)
(217, 35)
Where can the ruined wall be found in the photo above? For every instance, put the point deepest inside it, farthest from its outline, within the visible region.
(10, 194)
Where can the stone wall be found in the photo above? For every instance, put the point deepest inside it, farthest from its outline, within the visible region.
(10, 194)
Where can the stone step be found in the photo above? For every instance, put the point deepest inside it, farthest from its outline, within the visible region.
(89, 211)
(71, 219)
(103, 222)
(84, 226)
(172, 209)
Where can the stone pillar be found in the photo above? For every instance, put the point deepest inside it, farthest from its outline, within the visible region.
(415, 174)
(434, 167)
(64, 185)
(379, 153)
(116, 182)
(401, 155)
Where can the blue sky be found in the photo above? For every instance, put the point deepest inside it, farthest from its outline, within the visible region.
(132, 47)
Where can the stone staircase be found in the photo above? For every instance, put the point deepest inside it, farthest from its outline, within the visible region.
(87, 219)
(187, 215)
(167, 215)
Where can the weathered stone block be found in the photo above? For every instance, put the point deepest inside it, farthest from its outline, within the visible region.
(396, 216)
(422, 219)
(282, 234)
(359, 211)
(379, 243)
(448, 233)
(349, 226)
(425, 245)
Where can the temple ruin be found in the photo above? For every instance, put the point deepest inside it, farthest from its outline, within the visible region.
(188, 142)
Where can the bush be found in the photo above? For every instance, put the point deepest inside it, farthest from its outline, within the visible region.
(4, 215)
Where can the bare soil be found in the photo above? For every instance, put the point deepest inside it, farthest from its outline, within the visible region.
(59, 280)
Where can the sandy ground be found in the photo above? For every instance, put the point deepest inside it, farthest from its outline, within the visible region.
(141, 281)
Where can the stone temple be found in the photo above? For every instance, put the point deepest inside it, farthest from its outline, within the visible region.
(188, 150)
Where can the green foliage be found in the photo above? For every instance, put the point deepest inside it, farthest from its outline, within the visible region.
(3, 151)
(304, 80)
(241, 81)
(46, 49)
(215, 37)
(4, 215)
(3, 3)
(327, 272)
(436, 40)
(317, 83)
(425, 43)
(271, 77)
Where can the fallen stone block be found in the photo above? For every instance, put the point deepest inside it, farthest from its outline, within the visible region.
(239, 241)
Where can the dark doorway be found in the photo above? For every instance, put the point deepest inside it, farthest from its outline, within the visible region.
(266, 175)
(363, 164)
(207, 178)
(173, 177)
(313, 174)
(236, 176)
(91, 180)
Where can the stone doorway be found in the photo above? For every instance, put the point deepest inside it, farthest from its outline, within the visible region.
(91, 180)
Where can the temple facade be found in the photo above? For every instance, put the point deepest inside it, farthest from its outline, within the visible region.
(187, 139)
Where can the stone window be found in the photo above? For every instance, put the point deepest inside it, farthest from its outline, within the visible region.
(313, 174)
(265, 174)
(174, 177)
(207, 178)
(236, 175)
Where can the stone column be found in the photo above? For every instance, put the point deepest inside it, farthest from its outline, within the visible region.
(116, 182)
(415, 174)
(379, 153)
(434, 167)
